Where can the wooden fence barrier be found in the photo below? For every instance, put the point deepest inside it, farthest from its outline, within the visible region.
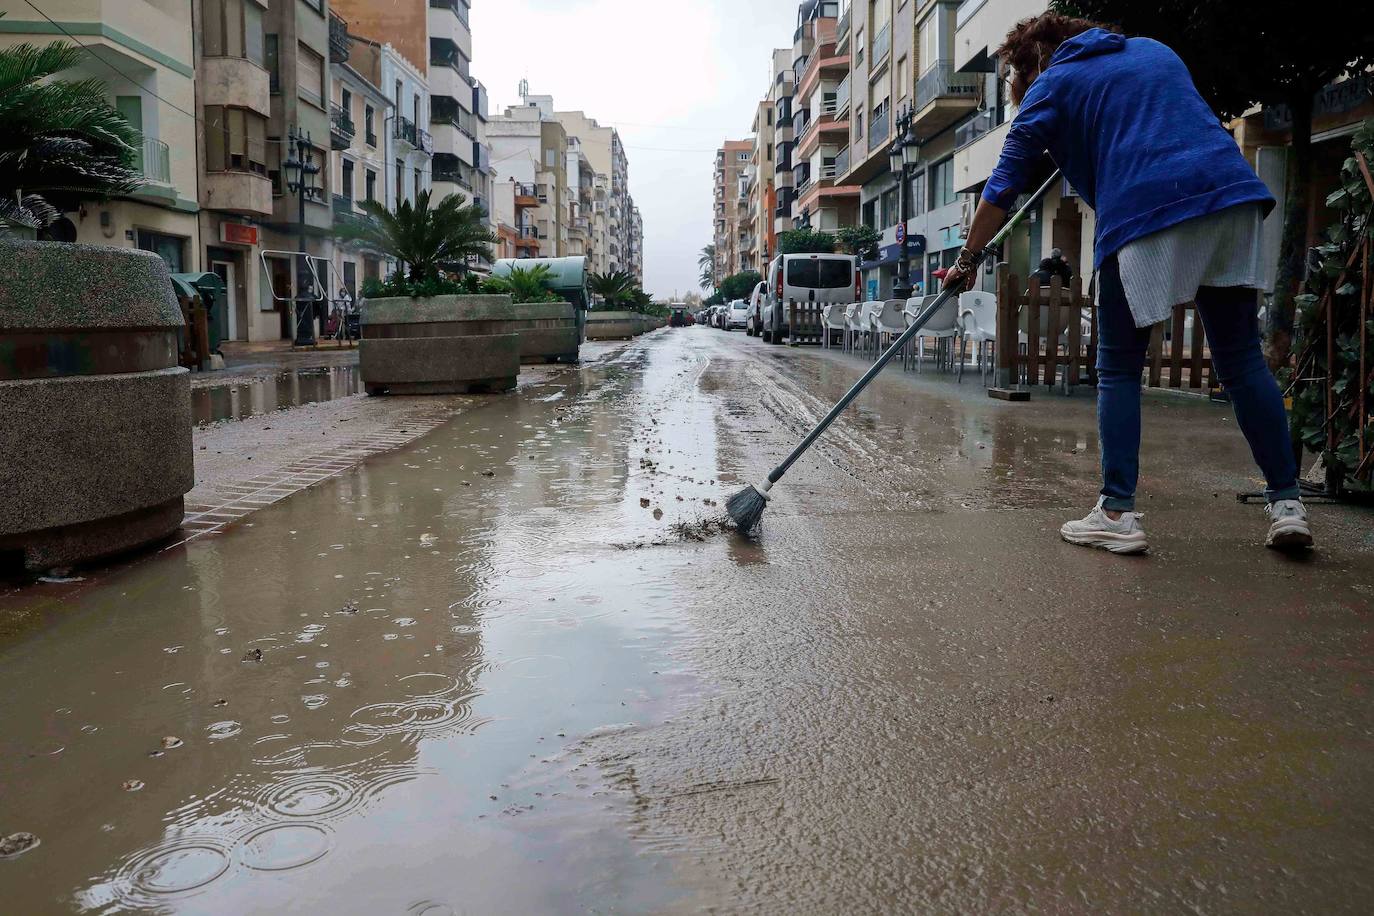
(804, 323)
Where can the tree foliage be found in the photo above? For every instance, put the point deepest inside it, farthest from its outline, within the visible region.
(429, 241)
(805, 241)
(60, 141)
(860, 240)
(1239, 54)
(1333, 293)
(740, 285)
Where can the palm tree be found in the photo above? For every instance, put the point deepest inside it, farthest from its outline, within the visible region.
(707, 263)
(615, 288)
(60, 141)
(427, 240)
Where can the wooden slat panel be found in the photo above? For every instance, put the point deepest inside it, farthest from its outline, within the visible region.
(1195, 351)
(1176, 349)
(1156, 354)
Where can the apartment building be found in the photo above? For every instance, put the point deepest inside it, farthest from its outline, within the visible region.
(730, 206)
(359, 154)
(822, 199)
(144, 55)
(782, 89)
(437, 33)
(530, 148)
(234, 104)
(606, 155)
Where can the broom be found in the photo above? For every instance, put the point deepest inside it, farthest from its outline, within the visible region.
(746, 507)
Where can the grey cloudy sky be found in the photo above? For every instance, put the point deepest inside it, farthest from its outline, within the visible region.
(675, 78)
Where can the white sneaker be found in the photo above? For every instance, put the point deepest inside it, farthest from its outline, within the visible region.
(1124, 535)
(1288, 529)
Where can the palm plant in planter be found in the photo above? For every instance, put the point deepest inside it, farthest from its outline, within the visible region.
(428, 240)
(60, 141)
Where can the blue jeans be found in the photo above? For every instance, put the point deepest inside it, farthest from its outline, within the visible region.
(1230, 318)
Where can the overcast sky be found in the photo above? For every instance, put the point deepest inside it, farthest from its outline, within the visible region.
(675, 78)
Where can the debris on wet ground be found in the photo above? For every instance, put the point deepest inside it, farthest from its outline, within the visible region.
(16, 844)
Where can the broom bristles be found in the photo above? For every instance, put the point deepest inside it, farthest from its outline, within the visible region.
(745, 508)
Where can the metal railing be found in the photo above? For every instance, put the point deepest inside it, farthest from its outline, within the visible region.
(155, 161)
(942, 81)
(878, 129)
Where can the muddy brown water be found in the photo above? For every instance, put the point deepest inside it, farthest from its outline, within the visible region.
(903, 695)
(253, 397)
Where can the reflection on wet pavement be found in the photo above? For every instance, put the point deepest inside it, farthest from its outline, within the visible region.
(251, 398)
(517, 667)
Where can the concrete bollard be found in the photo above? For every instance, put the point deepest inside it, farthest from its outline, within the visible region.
(96, 428)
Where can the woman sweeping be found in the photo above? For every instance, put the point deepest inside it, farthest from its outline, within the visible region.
(1178, 219)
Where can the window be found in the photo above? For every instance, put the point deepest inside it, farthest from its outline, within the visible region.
(274, 165)
(370, 184)
(272, 61)
(233, 28)
(347, 188)
(890, 205)
(918, 194)
(942, 183)
(235, 140)
(309, 75)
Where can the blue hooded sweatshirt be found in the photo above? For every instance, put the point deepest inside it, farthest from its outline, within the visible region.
(1121, 118)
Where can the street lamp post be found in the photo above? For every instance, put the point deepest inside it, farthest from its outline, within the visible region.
(901, 159)
(301, 160)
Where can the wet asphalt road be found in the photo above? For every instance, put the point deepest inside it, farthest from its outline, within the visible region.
(500, 673)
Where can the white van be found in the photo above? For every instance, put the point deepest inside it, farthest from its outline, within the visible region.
(807, 279)
(755, 326)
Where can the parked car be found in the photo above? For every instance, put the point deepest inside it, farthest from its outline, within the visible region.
(736, 315)
(805, 279)
(755, 325)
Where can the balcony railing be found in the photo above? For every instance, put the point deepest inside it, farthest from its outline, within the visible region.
(155, 161)
(340, 42)
(842, 162)
(942, 81)
(878, 129)
(974, 127)
(882, 43)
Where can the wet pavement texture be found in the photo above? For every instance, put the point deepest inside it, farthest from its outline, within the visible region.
(257, 396)
(515, 667)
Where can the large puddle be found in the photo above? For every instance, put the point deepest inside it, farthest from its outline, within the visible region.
(375, 697)
(257, 396)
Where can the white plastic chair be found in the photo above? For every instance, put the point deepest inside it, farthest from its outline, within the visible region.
(943, 325)
(884, 323)
(978, 323)
(832, 320)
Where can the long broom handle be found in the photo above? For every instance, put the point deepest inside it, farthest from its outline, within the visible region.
(920, 322)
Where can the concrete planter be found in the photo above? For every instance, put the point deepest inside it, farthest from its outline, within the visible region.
(439, 345)
(614, 325)
(96, 428)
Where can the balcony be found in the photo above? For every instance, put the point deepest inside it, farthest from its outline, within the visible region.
(341, 129)
(878, 130)
(340, 42)
(943, 96)
(458, 7)
(882, 44)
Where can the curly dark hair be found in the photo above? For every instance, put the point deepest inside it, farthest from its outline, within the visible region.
(1032, 42)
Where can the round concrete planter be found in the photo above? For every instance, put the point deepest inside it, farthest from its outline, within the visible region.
(439, 345)
(96, 412)
(615, 325)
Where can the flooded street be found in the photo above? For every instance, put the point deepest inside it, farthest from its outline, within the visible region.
(514, 667)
